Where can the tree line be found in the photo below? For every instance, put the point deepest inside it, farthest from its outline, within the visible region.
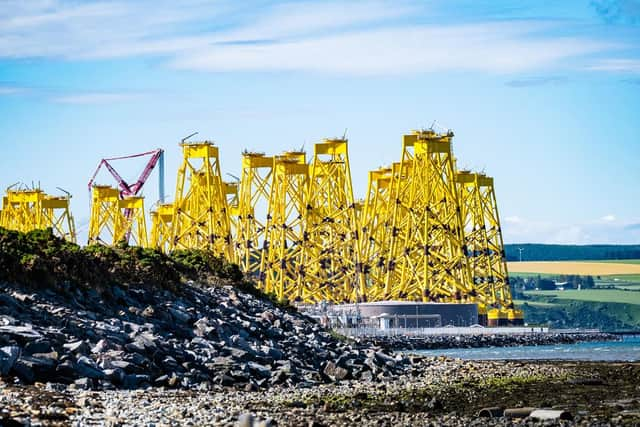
(543, 252)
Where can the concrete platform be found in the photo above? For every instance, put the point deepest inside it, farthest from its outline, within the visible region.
(409, 314)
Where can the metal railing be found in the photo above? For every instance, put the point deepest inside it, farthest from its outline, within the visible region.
(455, 330)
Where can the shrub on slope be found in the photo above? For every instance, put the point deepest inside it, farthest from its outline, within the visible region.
(40, 259)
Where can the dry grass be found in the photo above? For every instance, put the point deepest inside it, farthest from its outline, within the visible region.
(574, 267)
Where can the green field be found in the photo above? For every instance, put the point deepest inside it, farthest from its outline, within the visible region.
(619, 281)
(623, 277)
(605, 309)
(614, 303)
(519, 302)
(592, 295)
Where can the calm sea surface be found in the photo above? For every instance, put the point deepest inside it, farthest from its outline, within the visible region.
(626, 350)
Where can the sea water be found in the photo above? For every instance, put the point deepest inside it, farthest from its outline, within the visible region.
(628, 350)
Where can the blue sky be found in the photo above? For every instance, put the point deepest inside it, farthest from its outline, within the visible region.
(545, 96)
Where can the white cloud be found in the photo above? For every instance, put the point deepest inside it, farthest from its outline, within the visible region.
(513, 219)
(494, 48)
(607, 229)
(95, 98)
(308, 18)
(618, 65)
(99, 29)
(9, 90)
(336, 37)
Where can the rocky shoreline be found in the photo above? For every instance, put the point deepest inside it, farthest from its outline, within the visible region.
(214, 355)
(436, 342)
(196, 337)
(433, 392)
(198, 346)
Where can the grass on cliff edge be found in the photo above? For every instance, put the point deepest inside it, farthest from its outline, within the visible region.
(593, 295)
(39, 259)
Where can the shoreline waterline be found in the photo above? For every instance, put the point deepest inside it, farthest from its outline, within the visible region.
(625, 350)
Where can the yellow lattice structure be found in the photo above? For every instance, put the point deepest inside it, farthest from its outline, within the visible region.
(495, 251)
(280, 271)
(423, 232)
(201, 217)
(114, 220)
(21, 210)
(231, 193)
(427, 259)
(33, 209)
(104, 215)
(161, 227)
(254, 194)
(132, 223)
(330, 266)
(474, 219)
(374, 237)
(57, 215)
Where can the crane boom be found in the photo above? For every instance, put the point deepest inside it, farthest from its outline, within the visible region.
(125, 188)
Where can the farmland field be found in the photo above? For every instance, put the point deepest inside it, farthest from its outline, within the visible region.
(592, 295)
(617, 261)
(611, 305)
(591, 268)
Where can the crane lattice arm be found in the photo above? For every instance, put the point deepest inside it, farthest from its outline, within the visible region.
(125, 188)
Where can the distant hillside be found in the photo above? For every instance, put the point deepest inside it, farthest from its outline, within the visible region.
(540, 252)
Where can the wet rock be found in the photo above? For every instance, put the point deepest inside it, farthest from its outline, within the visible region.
(179, 315)
(8, 357)
(116, 376)
(135, 346)
(77, 346)
(53, 355)
(135, 380)
(28, 368)
(22, 333)
(38, 346)
(101, 346)
(259, 370)
(66, 369)
(88, 368)
(225, 380)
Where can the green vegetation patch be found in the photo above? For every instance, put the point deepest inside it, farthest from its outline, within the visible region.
(39, 259)
(583, 314)
(629, 278)
(463, 396)
(592, 295)
(520, 302)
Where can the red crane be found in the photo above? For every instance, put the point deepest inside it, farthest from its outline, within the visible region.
(126, 189)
